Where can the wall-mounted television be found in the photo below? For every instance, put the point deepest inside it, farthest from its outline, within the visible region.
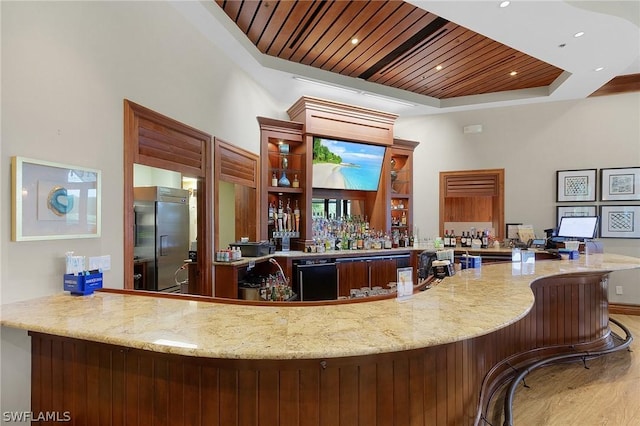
(578, 227)
(346, 165)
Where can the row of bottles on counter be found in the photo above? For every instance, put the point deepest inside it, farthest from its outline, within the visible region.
(283, 218)
(284, 180)
(231, 254)
(467, 239)
(353, 233)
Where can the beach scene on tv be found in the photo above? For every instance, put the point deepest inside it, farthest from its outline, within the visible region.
(346, 165)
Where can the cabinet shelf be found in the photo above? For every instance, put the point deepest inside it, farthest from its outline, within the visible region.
(285, 190)
(400, 196)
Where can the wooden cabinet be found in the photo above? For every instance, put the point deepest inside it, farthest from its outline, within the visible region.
(285, 182)
(371, 271)
(352, 273)
(401, 186)
(388, 209)
(469, 197)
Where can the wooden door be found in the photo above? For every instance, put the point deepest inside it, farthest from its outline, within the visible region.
(382, 272)
(352, 274)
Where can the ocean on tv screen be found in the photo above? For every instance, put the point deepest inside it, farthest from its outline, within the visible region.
(346, 165)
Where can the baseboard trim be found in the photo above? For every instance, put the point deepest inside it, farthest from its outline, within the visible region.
(624, 309)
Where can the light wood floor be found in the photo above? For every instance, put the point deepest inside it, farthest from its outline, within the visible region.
(608, 393)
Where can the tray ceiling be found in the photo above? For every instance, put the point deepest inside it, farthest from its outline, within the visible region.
(398, 45)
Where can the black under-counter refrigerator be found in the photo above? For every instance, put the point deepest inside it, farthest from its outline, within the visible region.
(315, 279)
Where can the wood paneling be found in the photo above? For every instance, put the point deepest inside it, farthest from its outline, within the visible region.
(399, 45)
(241, 168)
(470, 185)
(438, 385)
(236, 165)
(620, 84)
(333, 119)
(468, 209)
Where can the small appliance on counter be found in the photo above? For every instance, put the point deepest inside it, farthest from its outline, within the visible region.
(443, 268)
(425, 262)
(254, 249)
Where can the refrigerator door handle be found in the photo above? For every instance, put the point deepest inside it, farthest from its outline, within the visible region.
(163, 245)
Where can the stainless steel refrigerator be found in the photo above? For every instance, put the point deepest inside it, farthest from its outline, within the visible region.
(161, 234)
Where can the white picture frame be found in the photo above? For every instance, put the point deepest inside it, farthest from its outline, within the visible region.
(620, 184)
(619, 221)
(576, 185)
(52, 201)
(575, 211)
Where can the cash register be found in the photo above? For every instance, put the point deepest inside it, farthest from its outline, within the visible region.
(575, 228)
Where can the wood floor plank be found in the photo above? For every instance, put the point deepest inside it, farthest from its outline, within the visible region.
(607, 393)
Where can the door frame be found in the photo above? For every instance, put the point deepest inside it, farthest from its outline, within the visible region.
(137, 121)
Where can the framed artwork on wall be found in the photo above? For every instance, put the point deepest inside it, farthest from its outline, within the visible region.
(620, 184)
(53, 201)
(575, 211)
(576, 185)
(620, 221)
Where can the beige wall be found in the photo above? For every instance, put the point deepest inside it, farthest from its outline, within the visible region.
(531, 143)
(67, 66)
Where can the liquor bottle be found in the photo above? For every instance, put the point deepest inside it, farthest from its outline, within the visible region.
(296, 214)
(403, 220)
(485, 240)
(280, 216)
(387, 241)
(289, 216)
(274, 179)
(271, 211)
(446, 238)
(463, 239)
(296, 182)
(452, 239)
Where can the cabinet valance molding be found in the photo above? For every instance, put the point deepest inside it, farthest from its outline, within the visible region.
(332, 119)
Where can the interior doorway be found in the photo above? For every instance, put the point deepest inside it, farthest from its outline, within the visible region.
(154, 140)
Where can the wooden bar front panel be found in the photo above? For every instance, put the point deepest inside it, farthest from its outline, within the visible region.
(106, 384)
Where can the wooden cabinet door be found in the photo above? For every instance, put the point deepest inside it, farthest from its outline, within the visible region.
(352, 274)
(382, 272)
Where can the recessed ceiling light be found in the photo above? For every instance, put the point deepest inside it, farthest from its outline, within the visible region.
(439, 67)
(512, 73)
(354, 41)
(579, 34)
(598, 69)
(505, 3)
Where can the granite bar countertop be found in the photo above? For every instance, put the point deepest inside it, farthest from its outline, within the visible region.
(471, 303)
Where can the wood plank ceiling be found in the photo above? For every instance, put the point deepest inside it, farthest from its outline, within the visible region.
(399, 45)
